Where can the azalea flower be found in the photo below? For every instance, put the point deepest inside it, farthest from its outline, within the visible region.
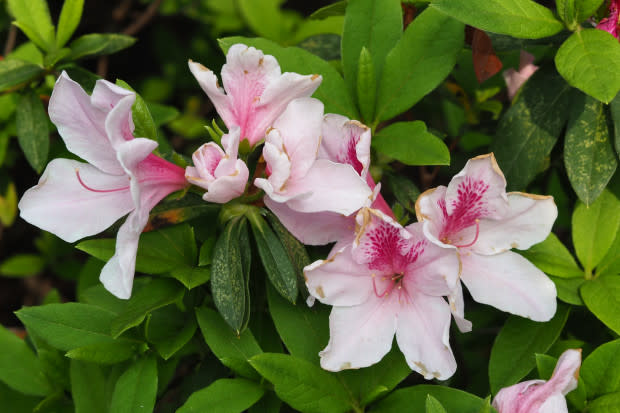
(296, 176)
(610, 23)
(386, 281)
(347, 142)
(514, 80)
(255, 92)
(219, 172)
(476, 217)
(539, 396)
(74, 199)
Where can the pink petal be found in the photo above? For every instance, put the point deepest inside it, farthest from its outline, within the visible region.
(510, 399)
(106, 95)
(346, 141)
(378, 202)
(509, 282)
(119, 124)
(566, 372)
(339, 280)
(359, 335)
(556, 403)
(430, 209)
(528, 222)
(422, 333)
(279, 164)
(457, 307)
(60, 204)
(227, 187)
(82, 125)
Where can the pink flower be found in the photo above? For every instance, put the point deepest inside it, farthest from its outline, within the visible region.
(255, 92)
(347, 142)
(476, 217)
(538, 396)
(514, 80)
(386, 281)
(220, 173)
(297, 177)
(74, 200)
(610, 23)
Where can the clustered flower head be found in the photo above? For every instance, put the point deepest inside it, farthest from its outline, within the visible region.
(382, 280)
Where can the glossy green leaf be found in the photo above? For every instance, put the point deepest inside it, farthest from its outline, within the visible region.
(33, 17)
(602, 297)
(169, 329)
(229, 277)
(335, 9)
(332, 92)
(224, 396)
(374, 25)
(104, 353)
(411, 144)
(14, 72)
(158, 293)
(568, 289)
(22, 265)
(275, 259)
(513, 353)
(595, 228)
(142, 119)
(20, 368)
(518, 18)
(588, 61)
(528, 131)
(366, 86)
(136, 388)
(614, 109)
(609, 403)
(413, 399)
(301, 384)
(257, 14)
(95, 44)
(610, 264)
(70, 16)
(18, 402)
(231, 349)
(191, 277)
(433, 405)
(88, 387)
(573, 12)
(32, 132)
(601, 370)
(405, 191)
(589, 156)
(552, 257)
(420, 61)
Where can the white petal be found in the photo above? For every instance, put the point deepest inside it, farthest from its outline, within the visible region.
(208, 82)
(509, 282)
(457, 306)
(119, 124)
(556, 403)
(106, 95)
(528, 222)
(60, 204)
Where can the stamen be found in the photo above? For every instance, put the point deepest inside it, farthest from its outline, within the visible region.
(475, 238)
(387, 290)
(77, 173)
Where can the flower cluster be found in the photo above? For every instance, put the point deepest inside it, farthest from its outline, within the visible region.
(382, 279)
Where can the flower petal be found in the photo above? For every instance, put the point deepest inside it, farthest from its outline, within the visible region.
(119, 124)
(206, 159)
(528, 222)
(346, 141)
(430, 209)
(566, 372)
(457, 307)
(509, 282)
(106, 95)
(208, 82)
(556, 403)
(227, 187)
(509, 399)
(422, 334)
(359, 335)
(60, 204)
(81, 125)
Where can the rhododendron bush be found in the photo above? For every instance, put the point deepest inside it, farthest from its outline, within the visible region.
(350, 206)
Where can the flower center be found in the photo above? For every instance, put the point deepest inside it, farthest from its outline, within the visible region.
(77, 173)
(393, 281)
(446, 239)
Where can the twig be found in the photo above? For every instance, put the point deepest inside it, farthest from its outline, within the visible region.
(143, 19)
(10, 40)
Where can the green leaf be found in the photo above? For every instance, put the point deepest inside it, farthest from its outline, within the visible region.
(191, 277)
(552, 257)
(224, 396)
(229, 276)
(573, 12)
(205, 256)
(595, 228)
(411, 144)
(373, 25)
(159, 293)
(95, 44)
(609, 403)
(602, 297)
(420, 61)
(587, 60)
(413, 399)
(162, 114)
(276, 260)
(513, 353)
(546, 365)
(403, 189)
(70, 325)
(231, 349)
(433, 405)
(257, 13)
(33, 17)
(17, 401)
(142, 119)
(14, 72)
(601, 370)
(136, 388)
(70, 16)
(610, 264)
(528, 131)
(332, 92)
(301, 384)
(614, 109)
(518, 18)
(588, 152)
(88, 387)
(169, 329)
(22, 265)
(104, 353)
(20, 368)
(568, 289)
(366, 86)
(32, 133)
(335, 9)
